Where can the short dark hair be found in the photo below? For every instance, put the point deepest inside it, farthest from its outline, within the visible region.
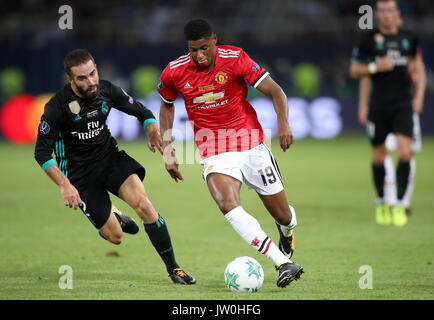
(197, 29)
(75, 58)
(388, 1)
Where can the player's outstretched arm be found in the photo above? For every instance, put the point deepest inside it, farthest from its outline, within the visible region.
(167, 114)
(272, 90)
(69, 193)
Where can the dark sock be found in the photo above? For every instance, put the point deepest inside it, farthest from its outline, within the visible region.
(379, 174)
(402, 174)
(160, 239)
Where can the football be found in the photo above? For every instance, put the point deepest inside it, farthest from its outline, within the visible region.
(244, 274)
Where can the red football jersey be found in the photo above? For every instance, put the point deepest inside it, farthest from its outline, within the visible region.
(216, 101)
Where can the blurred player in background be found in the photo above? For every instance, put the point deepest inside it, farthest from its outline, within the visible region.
(88, 162)
(390, 58)
(212, 81)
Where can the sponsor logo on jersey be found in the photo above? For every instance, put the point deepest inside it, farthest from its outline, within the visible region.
(255, 67)
(74, 107)
(44, 127)
(221, 77)
(94, 129)
(92, 114)
(188, 86)
(206, 88)
(209, 97)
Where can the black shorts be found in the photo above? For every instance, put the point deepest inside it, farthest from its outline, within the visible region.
(384, 120)
(107, 175)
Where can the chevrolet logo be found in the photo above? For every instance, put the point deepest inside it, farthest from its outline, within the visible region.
(209, 97)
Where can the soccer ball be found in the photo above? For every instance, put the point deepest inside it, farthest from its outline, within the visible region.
(244, 274)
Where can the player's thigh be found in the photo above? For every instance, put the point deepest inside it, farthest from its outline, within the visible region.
(96, 204)
(118, 168)
(260, 170)
(225, 190)
(133, 192)
(378, 127)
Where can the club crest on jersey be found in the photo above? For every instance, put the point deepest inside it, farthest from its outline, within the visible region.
(221, 77)
(74, 107)
(104, 107)
(209, 97)
(405, 44)
(379, 41)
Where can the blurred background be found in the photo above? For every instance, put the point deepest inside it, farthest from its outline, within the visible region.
(305, 44)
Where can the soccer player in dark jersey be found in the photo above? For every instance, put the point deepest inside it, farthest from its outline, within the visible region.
(388, 55)
(88, 163)
(213, 83)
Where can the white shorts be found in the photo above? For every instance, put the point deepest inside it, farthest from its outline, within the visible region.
(256, 167)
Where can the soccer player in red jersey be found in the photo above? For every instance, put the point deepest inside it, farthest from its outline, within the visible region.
(212, 81)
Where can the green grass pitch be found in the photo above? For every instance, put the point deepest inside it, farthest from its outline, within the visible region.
(328, 182)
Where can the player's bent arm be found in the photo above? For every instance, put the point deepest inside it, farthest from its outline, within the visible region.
(167, 115)
(280, 103)
(419, 77)
(154, 136)
(69, 193)
(272, 90)
(358, 70)
(364, 91)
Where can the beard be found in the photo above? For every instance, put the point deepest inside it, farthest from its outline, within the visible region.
(86, 92)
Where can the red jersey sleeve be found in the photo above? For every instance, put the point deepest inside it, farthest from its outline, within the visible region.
(166, 86)
(250, 70)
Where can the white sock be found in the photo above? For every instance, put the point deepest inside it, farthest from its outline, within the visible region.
(389, 181)
(410, 186)
(287, 230)
(250, 230)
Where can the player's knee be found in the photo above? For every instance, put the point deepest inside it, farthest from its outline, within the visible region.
(404, 155)
(226, 205)
(379, 154)
(115, 239)
(143, 207)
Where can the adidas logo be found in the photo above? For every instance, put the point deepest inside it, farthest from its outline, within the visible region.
(188, 86)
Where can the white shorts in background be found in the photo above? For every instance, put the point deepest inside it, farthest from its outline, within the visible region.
(416, 142)
(256, 167)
